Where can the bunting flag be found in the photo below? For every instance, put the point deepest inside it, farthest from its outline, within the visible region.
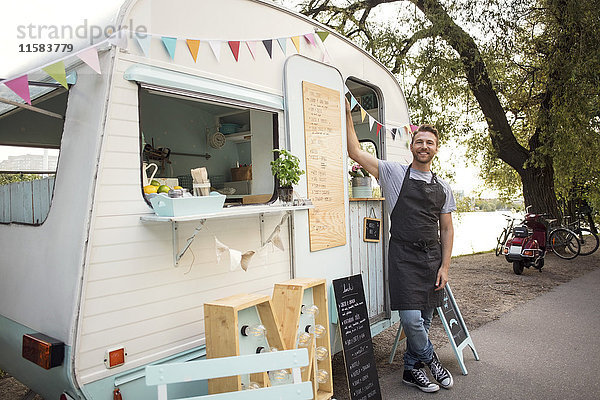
(322, 35)
(378, 128)
(144, 41)
(282, 43)
(353, 103)
(215, 45)
(90, 57)
(170, 44)
(413, 128)
(235, 259)
(57, 72)
(276, 239)
(235, 48)
(393, 133)
(20, 86)
(310, 38)
(269, 46)
(220, 249)
(362, 114)
(371, 122)
(193, 46)
(296, 41)
(251, 48)
(246, 257)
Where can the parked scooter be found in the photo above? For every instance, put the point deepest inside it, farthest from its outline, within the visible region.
(527, 246)
(529, 242)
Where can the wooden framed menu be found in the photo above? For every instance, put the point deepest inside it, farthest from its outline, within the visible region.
(324, 166)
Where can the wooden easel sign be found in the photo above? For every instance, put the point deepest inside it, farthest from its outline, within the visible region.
(371, 228)
(455, 328)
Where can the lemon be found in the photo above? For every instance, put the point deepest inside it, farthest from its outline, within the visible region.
(177, 187)
(155, 182)
(163, 189)
(150, 189)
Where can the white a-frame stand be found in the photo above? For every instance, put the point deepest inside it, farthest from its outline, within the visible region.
(455, 328)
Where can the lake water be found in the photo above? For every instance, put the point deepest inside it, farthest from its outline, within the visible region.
(477, 231)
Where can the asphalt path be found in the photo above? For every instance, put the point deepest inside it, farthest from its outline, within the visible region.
(548, 348)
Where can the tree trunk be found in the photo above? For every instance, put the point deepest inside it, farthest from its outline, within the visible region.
(538, 182)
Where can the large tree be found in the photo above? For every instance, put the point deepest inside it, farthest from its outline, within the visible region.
(515, 80)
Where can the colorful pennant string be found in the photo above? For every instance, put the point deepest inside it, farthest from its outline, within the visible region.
(296, 41)
(269, 46)
(57, 72)
(251, 48)
(144, 41)
(215, 46)
(282, 43)
(310, 38)
(234, 45)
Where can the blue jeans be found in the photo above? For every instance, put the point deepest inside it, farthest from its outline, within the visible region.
(416, 324)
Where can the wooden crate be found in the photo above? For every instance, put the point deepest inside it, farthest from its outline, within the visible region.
(288, 298)
(224, 319)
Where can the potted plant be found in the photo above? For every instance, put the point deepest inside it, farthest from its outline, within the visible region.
(361, 182)
(286, 168)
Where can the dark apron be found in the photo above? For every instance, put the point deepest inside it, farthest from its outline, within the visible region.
(415, 252)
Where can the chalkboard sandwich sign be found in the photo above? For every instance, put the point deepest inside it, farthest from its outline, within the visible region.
(353, 317)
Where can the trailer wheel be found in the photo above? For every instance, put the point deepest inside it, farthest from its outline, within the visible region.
(517, 267)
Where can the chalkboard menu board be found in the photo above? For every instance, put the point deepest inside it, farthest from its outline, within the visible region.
(454, 322)
(371, 229)
(353, 317)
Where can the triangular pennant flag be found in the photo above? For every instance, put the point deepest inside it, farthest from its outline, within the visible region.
(323, 35)
(413, 128)
(20, 86)
(246, 257)
(251, 48)
(269, 46)
(282, 43)
(310, 38)
(362, 114)
(170, 44)
(296, 41)
(220, 249)
(57, 71)
(346, 90)
(118, 39)
(276, 240)
(378, 128)
(235, 48)
(353, 102)
(235, 259)
(407, 129)
(144, 41)
(193, 45)
(371, 120)
(215, 45)
(90, 57)
(394, 133)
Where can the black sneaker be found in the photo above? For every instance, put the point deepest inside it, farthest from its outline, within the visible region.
(417, 377)
(439, 373)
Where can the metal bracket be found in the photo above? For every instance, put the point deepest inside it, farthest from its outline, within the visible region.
(177, 256)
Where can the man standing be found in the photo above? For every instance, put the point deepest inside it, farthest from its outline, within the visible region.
(419, 257)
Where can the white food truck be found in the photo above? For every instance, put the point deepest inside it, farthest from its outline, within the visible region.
(88, 268)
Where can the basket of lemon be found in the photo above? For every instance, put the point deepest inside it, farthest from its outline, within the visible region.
(168, 202)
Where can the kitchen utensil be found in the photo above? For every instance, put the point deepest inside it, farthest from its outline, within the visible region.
(146, 168)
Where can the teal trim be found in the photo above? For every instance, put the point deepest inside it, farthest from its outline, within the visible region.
(132, 383)
(48, 383)
(177, 80)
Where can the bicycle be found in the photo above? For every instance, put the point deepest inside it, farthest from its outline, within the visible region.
(588, 238)
(506, 231)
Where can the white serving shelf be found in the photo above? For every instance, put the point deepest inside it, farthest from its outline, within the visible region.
(227, 212)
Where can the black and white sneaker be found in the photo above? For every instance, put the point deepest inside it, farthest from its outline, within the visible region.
(417, 377)
(439, 373)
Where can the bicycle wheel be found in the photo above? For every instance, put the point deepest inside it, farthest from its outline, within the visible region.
(501, 241)
(564, 243)
(588, 240)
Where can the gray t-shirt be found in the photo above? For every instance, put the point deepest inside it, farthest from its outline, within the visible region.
(391, 176)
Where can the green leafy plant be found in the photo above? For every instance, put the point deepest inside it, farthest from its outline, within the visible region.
(286, 168)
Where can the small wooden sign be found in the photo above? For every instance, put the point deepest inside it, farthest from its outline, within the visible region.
(353, 317)
(371, 229)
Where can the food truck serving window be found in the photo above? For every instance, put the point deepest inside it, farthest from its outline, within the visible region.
(231, 140)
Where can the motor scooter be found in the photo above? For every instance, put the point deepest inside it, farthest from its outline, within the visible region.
(527, 245)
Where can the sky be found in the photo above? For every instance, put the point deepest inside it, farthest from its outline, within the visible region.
(22, 22)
